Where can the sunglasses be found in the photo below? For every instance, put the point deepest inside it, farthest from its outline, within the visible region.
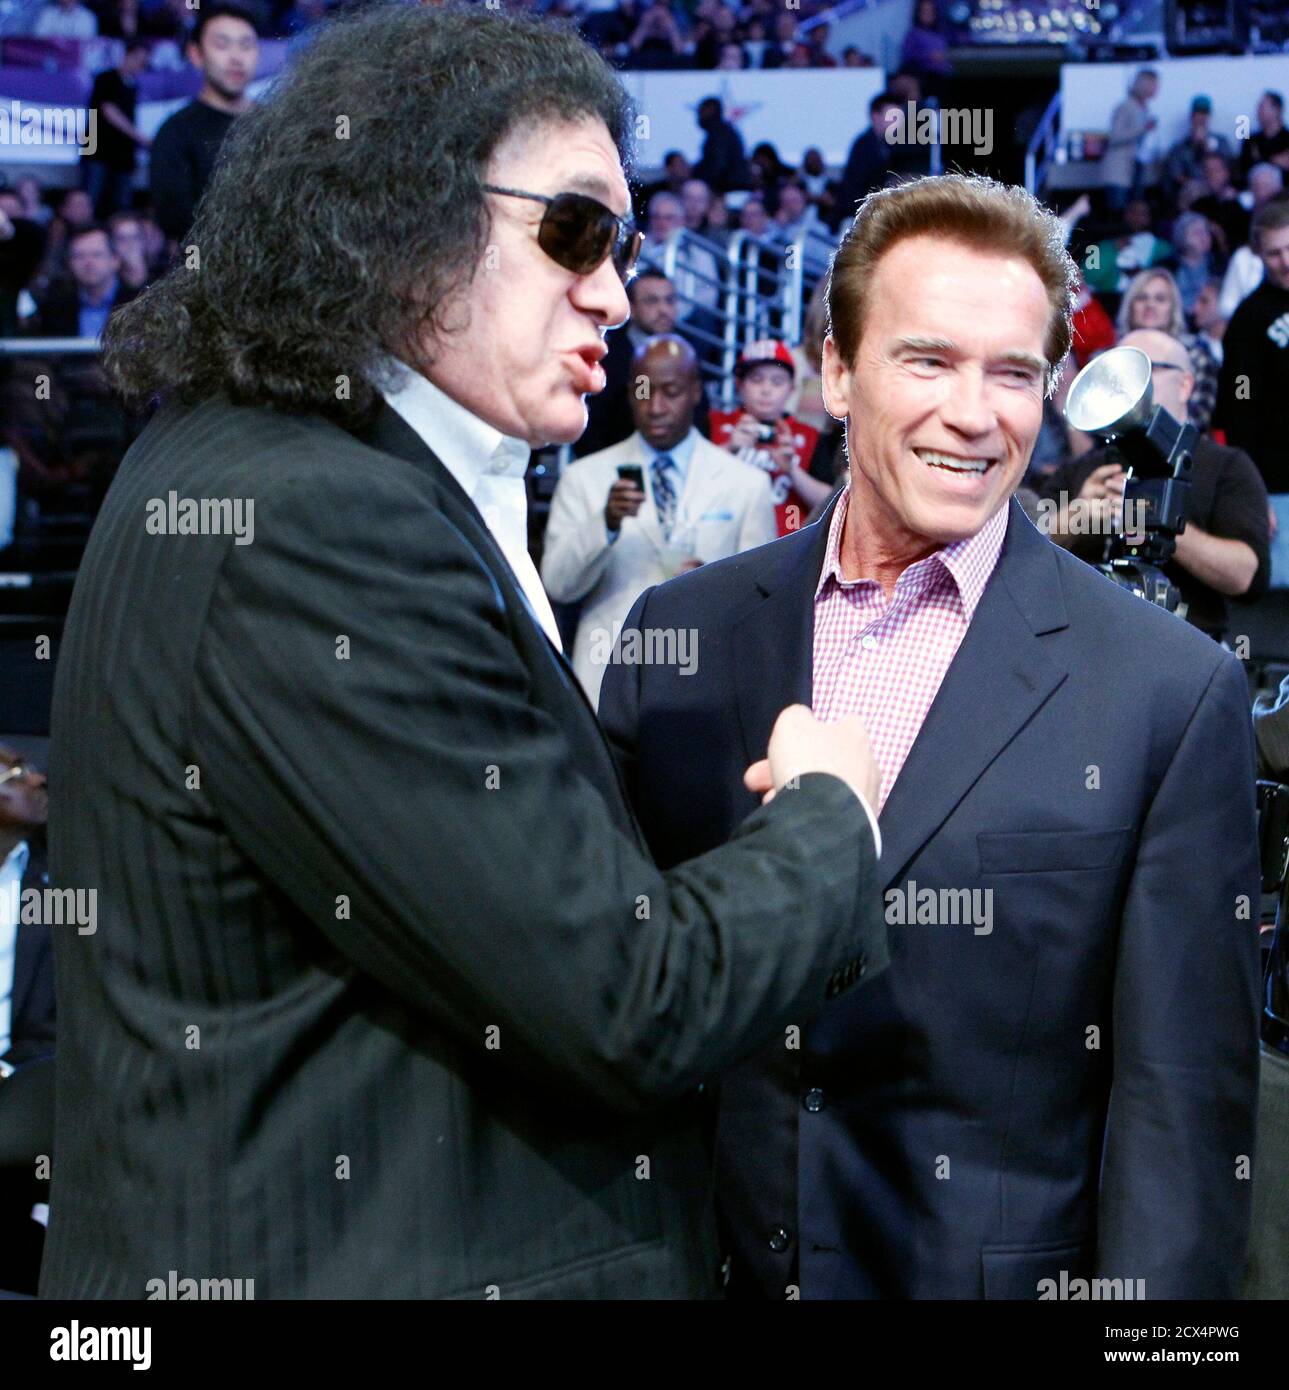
(578, 232)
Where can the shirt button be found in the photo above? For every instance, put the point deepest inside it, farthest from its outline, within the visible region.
(779, 1240)
(869, 643)
(814, 1100)
(498, 465)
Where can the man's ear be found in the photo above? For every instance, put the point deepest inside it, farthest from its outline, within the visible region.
(835, 381)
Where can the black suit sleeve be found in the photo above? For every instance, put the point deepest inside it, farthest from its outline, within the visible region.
(365, 728)
(1175, 1182)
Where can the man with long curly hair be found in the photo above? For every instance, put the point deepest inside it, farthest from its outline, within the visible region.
(385, 996)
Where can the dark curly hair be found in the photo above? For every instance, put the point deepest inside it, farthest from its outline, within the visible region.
(346, 213)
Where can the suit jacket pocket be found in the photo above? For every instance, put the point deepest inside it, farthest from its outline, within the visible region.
(1017, 1272)
(1046, 851)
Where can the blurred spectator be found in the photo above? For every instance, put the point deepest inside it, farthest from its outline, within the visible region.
(1210, 321)
(732, 58)
(1185, 159)
(753, 216)
(611, 27)
(107, 175)
(877, 157)
(130, 246)
(1224, 550)
(817, 44)
(718, 221)
(75, 211)
(1129, 125)
(800, 56)
(27, 1012)
(715, 28)
(695, 203)
(675, 170)
(1255, 365)
(780, 48)
(768, 171)
(1244, 273)
(756, 43)
(1221, 204)
(760, 431)
(1153, 301)
(852, 57)
(608, 540)
(66, 19)
(1109, 265)
(795, 215)
(1193, 262)
(225, 47)
(926, 48)
(119, 19)
(79, 308)
(723, 164)
(656, 41)
(34, 208)
(1269, 144)
(22, 244)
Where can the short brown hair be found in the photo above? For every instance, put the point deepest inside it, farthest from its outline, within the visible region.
(972, 210)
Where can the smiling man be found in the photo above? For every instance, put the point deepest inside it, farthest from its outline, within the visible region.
(387, 997)
(1062, 1081)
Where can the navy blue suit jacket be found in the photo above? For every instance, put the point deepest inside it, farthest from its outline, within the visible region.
(1073, 1089)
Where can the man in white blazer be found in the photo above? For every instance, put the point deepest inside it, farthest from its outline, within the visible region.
(608, 540)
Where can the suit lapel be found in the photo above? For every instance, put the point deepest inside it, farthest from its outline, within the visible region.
(999, 678)
(774, 638)
(391, 434)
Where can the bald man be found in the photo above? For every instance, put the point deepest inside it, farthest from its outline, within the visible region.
(1224, 552)
(633, 515)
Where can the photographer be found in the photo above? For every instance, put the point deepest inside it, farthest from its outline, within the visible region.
(1224, 551)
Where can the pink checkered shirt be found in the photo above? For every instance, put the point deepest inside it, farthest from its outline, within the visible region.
(886, 663)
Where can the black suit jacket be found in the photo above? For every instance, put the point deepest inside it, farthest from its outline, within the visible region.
(1072, 1089)
(386, 996)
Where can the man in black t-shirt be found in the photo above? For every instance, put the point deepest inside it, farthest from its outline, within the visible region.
(225, 46)
(107, 174)
(1224, 551)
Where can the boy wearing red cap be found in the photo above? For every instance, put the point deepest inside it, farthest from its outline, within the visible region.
(760, 431)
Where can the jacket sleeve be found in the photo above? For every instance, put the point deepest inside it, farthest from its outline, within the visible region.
(1175, 1180)
(758, 526)
(366, 730)
(577, 548)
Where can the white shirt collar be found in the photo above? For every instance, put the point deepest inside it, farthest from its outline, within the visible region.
(469, 447)
(15, 862)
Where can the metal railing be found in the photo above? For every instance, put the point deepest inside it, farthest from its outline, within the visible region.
(734, 294)
(1041, 150)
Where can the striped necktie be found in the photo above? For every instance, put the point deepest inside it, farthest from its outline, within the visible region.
(664, 492)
